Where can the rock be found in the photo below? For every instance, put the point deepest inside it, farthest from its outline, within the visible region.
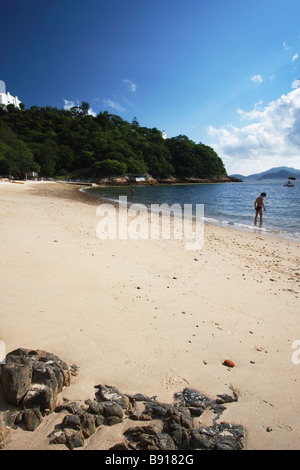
(88, 424)
(31, 418)
(185, 417)
(109, 393)
(112, 412)
(120, 446)
(42, 396)
(177, 425)
(72, 422)
(58, 437)
(71, 407)
(218, 437)
(158, 410)
(16, 381)
(95, 407)
(149, 438)
(196, 402)
(31, 379)
(25, 367)
(228, 363)
(74, 438)
(4, 430)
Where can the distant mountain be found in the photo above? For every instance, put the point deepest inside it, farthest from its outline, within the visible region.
(278, 173)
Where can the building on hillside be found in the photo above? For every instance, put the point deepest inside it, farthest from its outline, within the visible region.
(7, 98)
(164, 134)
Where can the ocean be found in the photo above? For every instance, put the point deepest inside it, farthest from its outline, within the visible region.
(225, 204)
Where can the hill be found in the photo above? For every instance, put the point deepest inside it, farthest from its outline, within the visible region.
(277, 173)
(71, 143)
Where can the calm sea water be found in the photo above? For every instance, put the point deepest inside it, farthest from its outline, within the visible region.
(227, 204)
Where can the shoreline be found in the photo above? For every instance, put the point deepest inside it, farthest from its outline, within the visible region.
(291, 236)
(149, 316)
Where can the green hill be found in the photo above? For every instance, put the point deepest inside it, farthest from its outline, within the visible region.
(63, 143)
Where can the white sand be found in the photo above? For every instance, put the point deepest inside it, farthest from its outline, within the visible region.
(114, 308)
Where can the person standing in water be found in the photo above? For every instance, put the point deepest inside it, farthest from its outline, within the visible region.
(259, 206)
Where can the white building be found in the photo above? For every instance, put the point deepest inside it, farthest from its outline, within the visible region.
(7, 98)
(164, 134)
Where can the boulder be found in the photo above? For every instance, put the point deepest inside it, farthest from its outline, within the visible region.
(31, 380)
(41, 396)
(31, 418)
(16, 381)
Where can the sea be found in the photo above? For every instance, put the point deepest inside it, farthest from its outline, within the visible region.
(225, 204)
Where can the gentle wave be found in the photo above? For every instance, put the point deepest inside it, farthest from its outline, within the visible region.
(226, 205)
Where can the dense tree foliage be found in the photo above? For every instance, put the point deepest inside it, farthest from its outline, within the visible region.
(58, 142)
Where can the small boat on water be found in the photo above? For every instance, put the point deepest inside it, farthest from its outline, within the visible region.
(289, 183)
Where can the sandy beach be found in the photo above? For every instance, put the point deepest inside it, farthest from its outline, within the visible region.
(149, 316)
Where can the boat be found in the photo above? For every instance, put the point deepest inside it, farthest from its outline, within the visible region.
(289, 183)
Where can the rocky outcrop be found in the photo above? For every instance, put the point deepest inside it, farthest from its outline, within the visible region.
(169, 426)
(31, 381)
(149, 180)
(195, 180)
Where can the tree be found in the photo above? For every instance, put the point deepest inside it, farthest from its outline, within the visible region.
(73, 140)
(110, 168)
(47, 157)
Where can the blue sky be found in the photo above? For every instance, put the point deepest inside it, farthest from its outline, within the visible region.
(222, 72)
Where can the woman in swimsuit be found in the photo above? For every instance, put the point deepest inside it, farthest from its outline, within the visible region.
(259, 206)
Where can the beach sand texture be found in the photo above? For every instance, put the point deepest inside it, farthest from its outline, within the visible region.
(148, 316)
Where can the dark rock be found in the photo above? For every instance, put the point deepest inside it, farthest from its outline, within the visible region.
(4, 429)
(24, 368)
(149, 438)
(58, 437)
(31, 418)
(16, 381)
(44, 374)
(158, 410)
(40, 395)
(201, 441)
(196, 402)
(99, 419)
(112, 412)
(109, 393)
(120, 446)
(10, 417)
(88, 425)
(95, 407)
(72, 422)
(218, 437)
(74, 438)
(72, 407)
(185, 417)
(140, 397)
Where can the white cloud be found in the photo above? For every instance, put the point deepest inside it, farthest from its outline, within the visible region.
(68, 104)
(257, 79)
(270, 138)
(296, 83)
(295, 57)
(286, 46)
(131, 85)
(112, 104)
